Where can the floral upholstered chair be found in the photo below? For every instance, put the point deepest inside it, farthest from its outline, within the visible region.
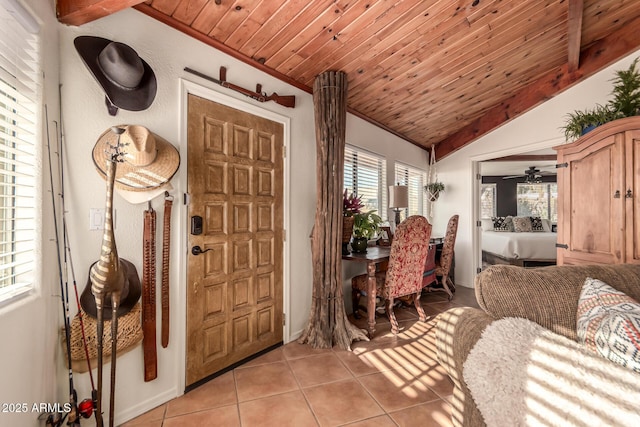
(406, 265)
(443, 265)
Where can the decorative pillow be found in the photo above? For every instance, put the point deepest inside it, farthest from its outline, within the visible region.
(487, 224)
(522, 224)
(502, 223)
(608, 323)
(536, 224)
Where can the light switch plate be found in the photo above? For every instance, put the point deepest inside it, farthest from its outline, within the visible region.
(96, 218)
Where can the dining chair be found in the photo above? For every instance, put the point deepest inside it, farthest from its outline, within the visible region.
(403, 276)
(443, 265)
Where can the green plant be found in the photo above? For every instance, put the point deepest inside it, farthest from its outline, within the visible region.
(351, 203)
(625, 103)
(434, 187)
(579, 121)
(366, 224)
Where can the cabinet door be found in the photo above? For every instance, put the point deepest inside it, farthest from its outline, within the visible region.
(632, 203)
(592, 219)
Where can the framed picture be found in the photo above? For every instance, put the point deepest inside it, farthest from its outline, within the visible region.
(385, 236)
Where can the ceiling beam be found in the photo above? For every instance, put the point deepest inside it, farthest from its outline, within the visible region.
(526, 158)
(574, 35)
(79, 12)
(599, 55)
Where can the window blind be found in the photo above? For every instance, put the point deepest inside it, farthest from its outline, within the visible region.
(488, 205)
(415, 180)
(365, 174)
(538, 200)
(19, 107)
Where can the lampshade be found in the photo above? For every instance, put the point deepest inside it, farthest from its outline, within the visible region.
(398, 196)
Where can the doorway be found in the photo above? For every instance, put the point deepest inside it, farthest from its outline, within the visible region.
(234, 292)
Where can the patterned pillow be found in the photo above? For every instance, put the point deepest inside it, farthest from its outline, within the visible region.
(536, 224)
(502, 223)
(608, 323)
(522, 224)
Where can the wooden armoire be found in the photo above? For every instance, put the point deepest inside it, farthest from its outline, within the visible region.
(599, 195)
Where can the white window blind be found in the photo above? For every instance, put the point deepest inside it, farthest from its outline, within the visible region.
(415, 179)
(538, 200)
(365, 174)
(19, 106)
(488, 205)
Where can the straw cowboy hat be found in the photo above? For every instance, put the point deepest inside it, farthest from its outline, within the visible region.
(127, 80)
(130, 293)
(149, 160)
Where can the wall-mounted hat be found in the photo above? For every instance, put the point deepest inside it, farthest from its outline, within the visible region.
(127, 80)
(130, 293)
(149, 160)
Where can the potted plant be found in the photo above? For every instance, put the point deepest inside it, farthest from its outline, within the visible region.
(351, 205)
(365, 226)
(433, 190)
(625, 103)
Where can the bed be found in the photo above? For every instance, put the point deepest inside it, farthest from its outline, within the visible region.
(523, 248)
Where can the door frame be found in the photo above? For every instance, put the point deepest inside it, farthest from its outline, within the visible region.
(475, 160)
(187, 88)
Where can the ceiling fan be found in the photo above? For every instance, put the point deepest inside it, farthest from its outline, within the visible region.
(532, 175)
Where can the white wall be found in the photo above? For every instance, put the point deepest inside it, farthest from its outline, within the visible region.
(539, 128)
(85, 118)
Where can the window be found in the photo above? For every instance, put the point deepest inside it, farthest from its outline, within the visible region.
(488, 205)
(415, 179)
(365, 174)
(19, 111)
(538, 200)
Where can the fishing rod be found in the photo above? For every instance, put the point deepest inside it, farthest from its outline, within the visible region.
(86, 406)
(73, 413)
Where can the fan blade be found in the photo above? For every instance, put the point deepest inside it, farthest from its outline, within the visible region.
(513, 176)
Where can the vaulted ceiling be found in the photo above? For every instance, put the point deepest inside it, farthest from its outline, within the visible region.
(441, 72)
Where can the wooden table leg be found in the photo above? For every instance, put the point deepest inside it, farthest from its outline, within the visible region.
(371, 297)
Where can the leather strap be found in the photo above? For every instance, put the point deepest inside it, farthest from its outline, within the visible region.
(149, 296)
(166, 246)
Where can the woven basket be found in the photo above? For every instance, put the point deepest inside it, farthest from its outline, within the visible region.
(129, 334)
(347, 228)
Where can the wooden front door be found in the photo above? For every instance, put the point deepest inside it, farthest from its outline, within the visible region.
(234, 289)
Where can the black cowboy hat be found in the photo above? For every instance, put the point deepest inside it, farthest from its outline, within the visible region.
(130, 293)
(127, 80)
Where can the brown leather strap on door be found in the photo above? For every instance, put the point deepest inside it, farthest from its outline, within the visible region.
(149, 296)
(166, 245)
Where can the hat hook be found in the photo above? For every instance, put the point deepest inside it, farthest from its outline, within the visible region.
(112, 109)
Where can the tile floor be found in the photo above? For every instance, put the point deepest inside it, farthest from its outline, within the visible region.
(389, 381)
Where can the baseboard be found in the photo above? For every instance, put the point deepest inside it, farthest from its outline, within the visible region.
(145, 406)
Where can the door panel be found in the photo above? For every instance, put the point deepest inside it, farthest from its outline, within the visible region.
(632, 204)
(235, 179)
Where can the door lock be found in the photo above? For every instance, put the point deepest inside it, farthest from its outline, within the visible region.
(197, 250)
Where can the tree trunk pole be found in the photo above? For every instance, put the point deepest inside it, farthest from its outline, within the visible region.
(328, 324)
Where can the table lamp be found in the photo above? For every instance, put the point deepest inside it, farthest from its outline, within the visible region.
(398, 199)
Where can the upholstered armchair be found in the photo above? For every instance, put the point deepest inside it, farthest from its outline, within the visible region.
(405, 270)
(443, 265)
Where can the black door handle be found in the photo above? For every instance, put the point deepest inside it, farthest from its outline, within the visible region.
(197, 250)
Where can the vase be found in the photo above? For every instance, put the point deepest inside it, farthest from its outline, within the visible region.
(359, 245)
(347, 230)
(434, 196)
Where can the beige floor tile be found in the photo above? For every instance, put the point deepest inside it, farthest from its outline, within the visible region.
(341, 402)
(432, 414)
(380, 421)
(395, 390)
(357, 362)
(270, 357)
(226, 416)
(321, 369)
(288, 409)
(220, 391)
(264, 380)
(148, 418)
(436, 378)
(156, 423)
(293, 350)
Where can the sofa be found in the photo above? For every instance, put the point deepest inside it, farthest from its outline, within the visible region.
(548, 298)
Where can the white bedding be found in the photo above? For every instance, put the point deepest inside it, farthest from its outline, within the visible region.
(509, 244)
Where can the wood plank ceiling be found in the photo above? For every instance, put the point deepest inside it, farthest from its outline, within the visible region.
(440, 72)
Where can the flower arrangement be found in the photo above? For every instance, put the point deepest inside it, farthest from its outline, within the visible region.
(351, 204)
